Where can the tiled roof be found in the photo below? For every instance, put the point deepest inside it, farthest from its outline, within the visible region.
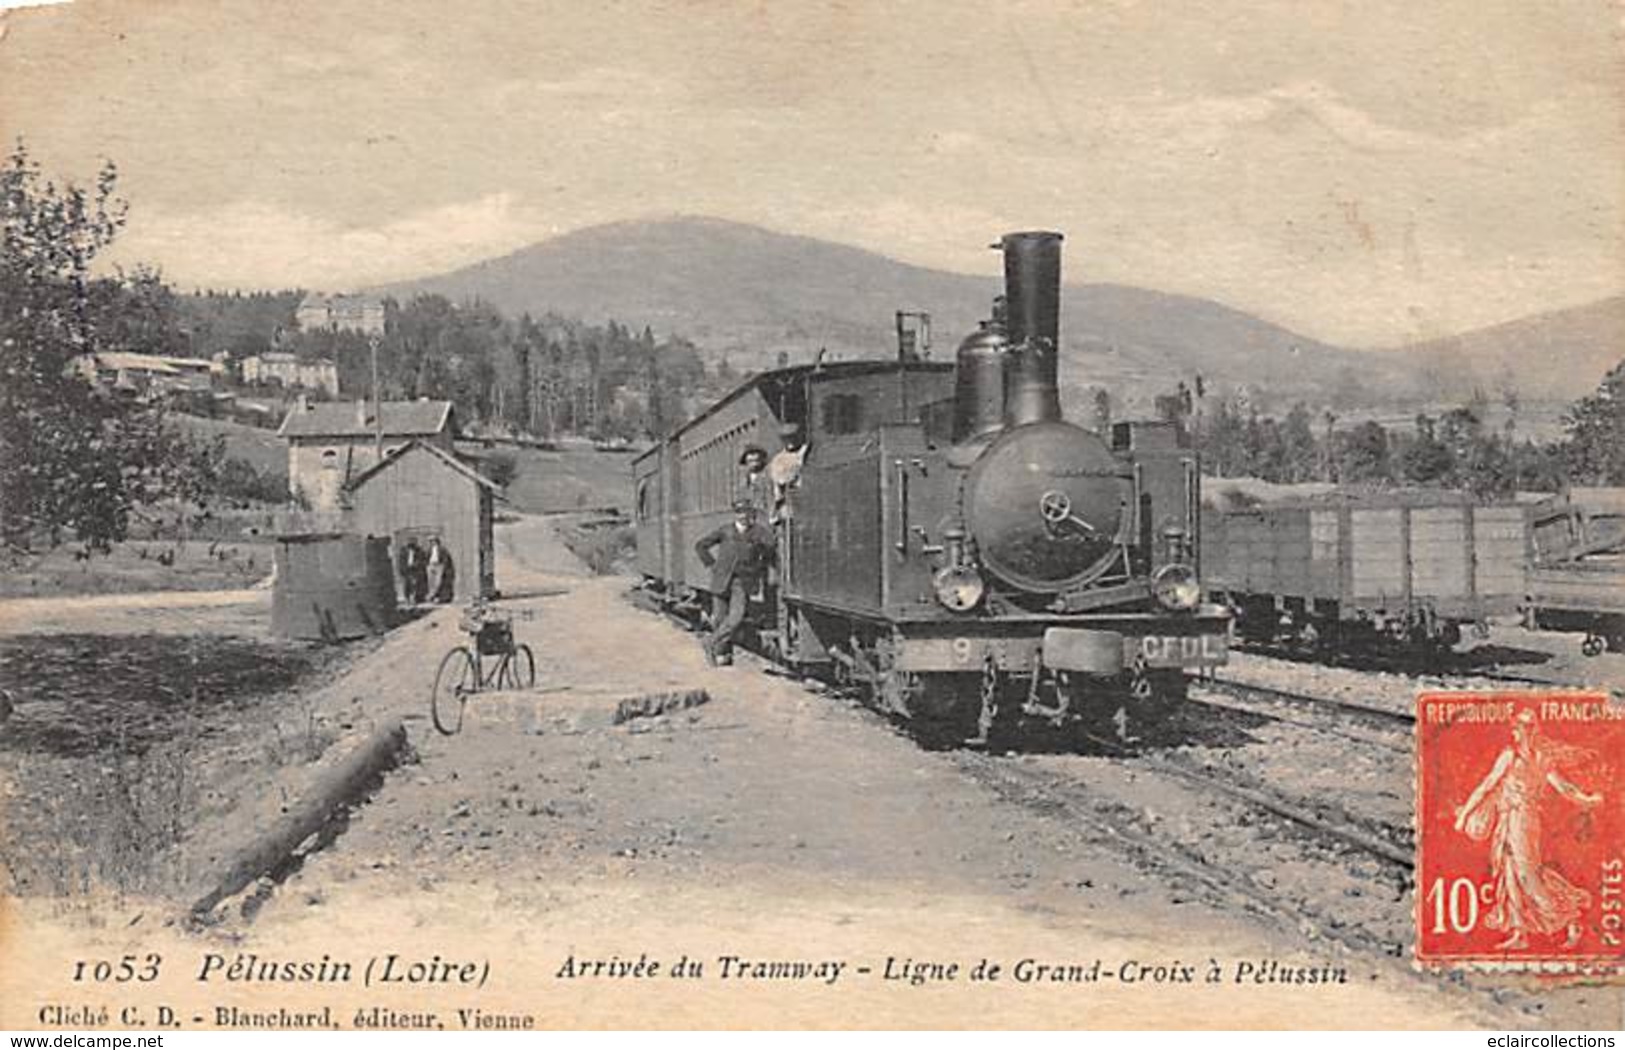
(165, 363)
(450, 460)
(135, 362)
(341, 419)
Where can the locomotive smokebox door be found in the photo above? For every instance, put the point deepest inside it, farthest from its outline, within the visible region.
(1081, 649)
(1046, 504)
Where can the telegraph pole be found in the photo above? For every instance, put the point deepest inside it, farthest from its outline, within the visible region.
(377, 402)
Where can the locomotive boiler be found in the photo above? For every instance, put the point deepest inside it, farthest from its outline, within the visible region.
(953, 545)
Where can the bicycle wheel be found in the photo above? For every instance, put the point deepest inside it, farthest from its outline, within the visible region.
(519, 668)
(458, 676)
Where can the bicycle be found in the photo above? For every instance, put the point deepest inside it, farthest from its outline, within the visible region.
(463, 672)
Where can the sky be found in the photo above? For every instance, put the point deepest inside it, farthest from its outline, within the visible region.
(1367, 173)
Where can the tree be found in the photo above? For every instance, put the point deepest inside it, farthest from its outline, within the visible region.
(1365, 455)
(1298, 441)
(1174, 407)
(1595, 446)
(73, 460)
(1427, 460)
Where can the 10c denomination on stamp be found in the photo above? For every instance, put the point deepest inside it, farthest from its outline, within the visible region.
(1520, 831)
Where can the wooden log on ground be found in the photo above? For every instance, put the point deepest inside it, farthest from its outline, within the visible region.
(335, 790)
(653, 705)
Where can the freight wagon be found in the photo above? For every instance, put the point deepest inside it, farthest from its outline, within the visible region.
(1345, 571)
(1577, 575)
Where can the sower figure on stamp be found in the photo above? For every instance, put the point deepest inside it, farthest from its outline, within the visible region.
(736, 554)
(1531, 895)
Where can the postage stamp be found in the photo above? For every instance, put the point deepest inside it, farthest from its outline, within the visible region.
(1520, 831)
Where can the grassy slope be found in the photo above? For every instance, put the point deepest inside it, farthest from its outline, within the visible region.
(565, 480)
(261, 448)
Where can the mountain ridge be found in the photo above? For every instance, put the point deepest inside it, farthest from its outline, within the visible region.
(753, 293)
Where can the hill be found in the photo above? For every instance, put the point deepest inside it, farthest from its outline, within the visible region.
(1588, 341)
(752, 293)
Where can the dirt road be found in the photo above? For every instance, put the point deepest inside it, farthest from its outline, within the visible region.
(770, 826)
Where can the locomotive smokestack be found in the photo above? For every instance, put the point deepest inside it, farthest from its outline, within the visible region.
(1032, 288)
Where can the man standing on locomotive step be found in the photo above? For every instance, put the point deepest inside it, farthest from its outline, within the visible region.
(742, 548)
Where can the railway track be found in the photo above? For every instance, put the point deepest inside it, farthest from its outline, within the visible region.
(1453, 665)
(1349, 720)
(1368, 713)
(1088, 807)
(1357, 893)
(1324, 819)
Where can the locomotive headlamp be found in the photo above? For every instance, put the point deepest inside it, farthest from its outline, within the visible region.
(1176, 587)
(959, 587)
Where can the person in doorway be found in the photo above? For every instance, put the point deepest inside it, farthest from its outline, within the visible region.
(410, 565)
(442, 573)
(784, 470)
(755, 486)
(737, 555)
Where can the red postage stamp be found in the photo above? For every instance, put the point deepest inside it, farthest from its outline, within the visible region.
(1520, 831)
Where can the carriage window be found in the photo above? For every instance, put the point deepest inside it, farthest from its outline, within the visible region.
(843, 414)
(643, 500)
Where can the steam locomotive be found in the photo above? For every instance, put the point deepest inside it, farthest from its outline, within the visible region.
(953, 545)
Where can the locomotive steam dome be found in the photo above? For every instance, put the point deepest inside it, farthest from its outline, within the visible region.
(1045, 504)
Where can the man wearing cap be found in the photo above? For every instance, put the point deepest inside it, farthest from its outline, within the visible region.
(741, 549)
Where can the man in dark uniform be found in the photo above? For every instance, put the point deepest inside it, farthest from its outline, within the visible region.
(741, 550)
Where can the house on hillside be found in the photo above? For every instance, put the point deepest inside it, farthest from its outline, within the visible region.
(340, 313)
(332, 443)
(422, 491)
(279, 366)
(148, 373)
